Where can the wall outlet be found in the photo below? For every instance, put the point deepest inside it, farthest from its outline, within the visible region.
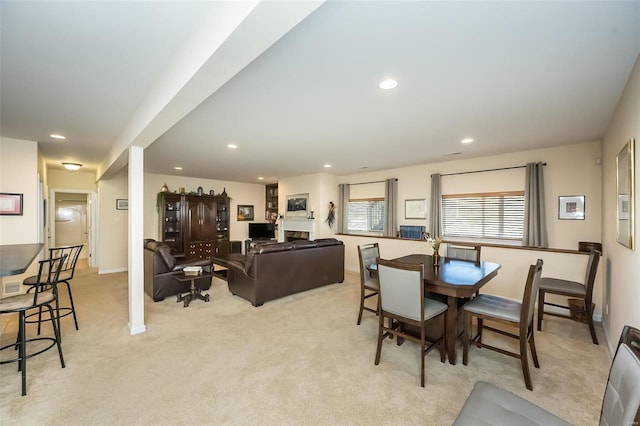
(606, 309)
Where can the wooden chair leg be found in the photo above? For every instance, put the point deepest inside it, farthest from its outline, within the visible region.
(443, 341)
(532, 345)
(524, 360)
(592, 328)
(422, 355)
(361, 306)
(465, 337)
(540, 308)
(380, 337)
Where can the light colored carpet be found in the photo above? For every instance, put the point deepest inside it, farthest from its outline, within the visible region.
(300, 360)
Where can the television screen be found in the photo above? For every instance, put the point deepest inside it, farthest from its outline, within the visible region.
(262, 231)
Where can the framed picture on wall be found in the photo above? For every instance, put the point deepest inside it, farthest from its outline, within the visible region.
(415, 209)
(625, 178)
(122, 204)
(245, 213)
(571, 207)
(10, 204)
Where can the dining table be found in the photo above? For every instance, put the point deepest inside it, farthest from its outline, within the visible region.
(456, 280)
(16, 258)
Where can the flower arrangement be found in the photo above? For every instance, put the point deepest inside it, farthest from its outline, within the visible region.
(435, 243)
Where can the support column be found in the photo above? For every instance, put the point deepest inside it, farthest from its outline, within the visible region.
(135, 243)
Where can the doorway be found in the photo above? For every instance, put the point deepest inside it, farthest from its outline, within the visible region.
(71, 224)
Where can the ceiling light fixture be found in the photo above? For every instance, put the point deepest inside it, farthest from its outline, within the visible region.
(178, 168)
(72, 166)
(466, 140)
(57, 136)
(260, 178)
(232, 146)
(388, 84)
(327, 166)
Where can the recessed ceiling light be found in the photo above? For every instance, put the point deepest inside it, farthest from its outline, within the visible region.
(260, 178)
(388, 84)
(232, 146)
(178, 168)
(467, 140)
(57, 136)
(72, 166)
(327, 166)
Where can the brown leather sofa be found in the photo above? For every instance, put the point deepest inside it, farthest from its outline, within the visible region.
(159, 269)
(272, 271)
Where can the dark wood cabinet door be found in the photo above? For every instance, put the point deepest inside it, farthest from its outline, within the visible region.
(194, 230)
(208, 219)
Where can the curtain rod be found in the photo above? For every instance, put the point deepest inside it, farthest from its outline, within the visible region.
(365, 183)
(487, 170)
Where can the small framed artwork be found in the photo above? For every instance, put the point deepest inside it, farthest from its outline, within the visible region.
(245, 213)
(10, 204)
(122, 204)
(571, 207)
(415, 209)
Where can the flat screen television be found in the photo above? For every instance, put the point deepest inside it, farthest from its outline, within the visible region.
(262, 231)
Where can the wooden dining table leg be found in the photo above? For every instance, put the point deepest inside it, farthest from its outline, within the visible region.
(451, 328)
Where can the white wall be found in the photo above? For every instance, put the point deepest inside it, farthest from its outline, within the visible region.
(113, 224)
(570, 170)
(321, 188)
(19, 174)
(66, 179)
(239, 193)
(622, 289)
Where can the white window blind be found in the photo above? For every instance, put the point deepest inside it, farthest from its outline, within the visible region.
(497, 215)
(366, 215)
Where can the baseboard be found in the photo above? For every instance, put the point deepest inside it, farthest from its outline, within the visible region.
(111, 271)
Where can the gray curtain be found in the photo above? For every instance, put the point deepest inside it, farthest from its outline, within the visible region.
(343, 207)
(390, 208)
(435, 214)
(535, 226)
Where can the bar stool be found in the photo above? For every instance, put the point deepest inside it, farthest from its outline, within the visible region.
(43, 295)
(71, 254)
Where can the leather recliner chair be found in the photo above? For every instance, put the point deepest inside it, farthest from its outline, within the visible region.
(159, 271)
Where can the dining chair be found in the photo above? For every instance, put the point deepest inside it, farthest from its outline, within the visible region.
(44, 294)
(403, 302)
(574, 289)
(464, 252)
(71, 255)
(369, 286)
(510, 313)
(488, 404)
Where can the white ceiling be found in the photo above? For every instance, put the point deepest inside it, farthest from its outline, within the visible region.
(512, 75)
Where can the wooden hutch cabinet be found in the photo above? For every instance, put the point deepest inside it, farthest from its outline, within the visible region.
(195, 226)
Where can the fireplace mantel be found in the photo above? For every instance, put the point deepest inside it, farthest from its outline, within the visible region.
(292, 224)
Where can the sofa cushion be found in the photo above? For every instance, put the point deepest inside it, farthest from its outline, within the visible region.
(269, 248)
(327, 242)
(303, 244)
(165, 253)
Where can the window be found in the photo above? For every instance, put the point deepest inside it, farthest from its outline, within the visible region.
(498, 215)
(365, 215)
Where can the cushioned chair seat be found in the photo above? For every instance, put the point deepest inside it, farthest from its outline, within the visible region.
(494, 306)
(490, 405)
(568, 288)
(64, 275)
(23, 301)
